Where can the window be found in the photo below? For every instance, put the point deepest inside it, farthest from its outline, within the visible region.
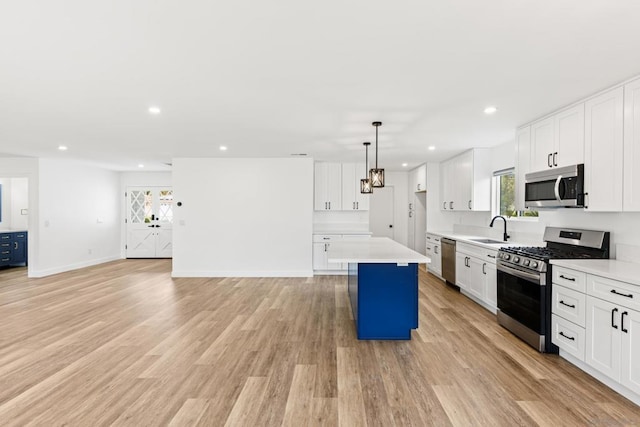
(504, 195)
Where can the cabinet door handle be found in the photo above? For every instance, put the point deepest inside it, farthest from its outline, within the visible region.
(549, 160)
(15, 245)
(571, 279)
(483, 268)
(450, 205)
(444, 205)
(613, 313)
(613, 291)
(325, 247)
(435, 249)
(568, 305)
(329, 205)
(410, 214)
(624, 313)
(410, 206)
(469, 204)
(568, 337)
(555, 159)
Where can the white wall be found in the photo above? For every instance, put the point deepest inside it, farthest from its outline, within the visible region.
(5, 215)
(19, 203)
(79, 210)
(243, 217)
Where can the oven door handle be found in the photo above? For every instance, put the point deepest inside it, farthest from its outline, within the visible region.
(556, 188)
(518, 273)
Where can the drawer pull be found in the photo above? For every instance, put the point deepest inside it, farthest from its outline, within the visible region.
(571, 279)
(613, 291)
(568, 305)
(5, 259)
(568, 337)
(491, 256)
(6, 237)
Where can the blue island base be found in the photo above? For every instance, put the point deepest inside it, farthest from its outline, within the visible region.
(384, 300)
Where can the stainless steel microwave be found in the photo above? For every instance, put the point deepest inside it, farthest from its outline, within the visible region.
(555, 188)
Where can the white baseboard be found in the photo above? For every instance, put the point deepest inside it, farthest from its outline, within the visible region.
(330, 272)
(286, 273)
(69, 267)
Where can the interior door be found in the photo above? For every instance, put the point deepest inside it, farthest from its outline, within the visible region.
(149, 222)
(381, 212)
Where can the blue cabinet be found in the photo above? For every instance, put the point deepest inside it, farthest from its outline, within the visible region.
(13, 249)
(384, 300)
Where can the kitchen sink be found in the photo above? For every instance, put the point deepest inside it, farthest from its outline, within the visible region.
(488, 241)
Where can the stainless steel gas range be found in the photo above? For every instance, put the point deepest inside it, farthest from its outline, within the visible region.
(525, 281)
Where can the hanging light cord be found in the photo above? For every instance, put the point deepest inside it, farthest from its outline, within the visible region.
(377, 147)
(366, 161)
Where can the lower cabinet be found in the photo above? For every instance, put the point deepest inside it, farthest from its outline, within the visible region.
(613, 341)
(321, 245)
(476, 274)
(599, 324)
(13, 249)
(433, 251)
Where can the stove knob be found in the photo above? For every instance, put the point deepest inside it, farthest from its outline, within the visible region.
(526, 262)
(516, 259)
(534, 264)
(506, 256)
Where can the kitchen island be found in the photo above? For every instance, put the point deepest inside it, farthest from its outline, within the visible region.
(382, 286)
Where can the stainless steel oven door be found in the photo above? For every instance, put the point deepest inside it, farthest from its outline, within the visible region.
(522, 297)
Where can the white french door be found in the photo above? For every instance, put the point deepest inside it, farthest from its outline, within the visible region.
(149, 222)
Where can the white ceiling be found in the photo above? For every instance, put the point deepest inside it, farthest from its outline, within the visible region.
(271, 78)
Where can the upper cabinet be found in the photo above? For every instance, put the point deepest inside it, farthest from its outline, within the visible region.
(328, 186)
(631, 190)
(604, 151)
(466, 181)
(523, 162)
(337, 187)
(418, 179)
(558, 140)
(352, 199)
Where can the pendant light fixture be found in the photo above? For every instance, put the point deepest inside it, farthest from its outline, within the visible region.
(376, 176)
(365, 184)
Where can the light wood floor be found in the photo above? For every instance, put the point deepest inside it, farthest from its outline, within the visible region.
(124, 344)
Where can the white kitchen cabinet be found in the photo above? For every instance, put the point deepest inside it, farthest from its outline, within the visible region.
(613, 330)
(631, 187)
(434, 252)
(418, 179)
(603, 337)
(604, 128)
(476, 274)
(558, 140)
(321, 244)
(327, 186)
(352, 199)
(462, 271)
(466, 181)
(569, 308)
(523, 163)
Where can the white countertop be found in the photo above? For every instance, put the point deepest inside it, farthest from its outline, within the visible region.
(12, 230)
(374, 250)
(463, 238)
(610, 268)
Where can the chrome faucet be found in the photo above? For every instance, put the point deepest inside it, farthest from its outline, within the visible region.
(505, 236)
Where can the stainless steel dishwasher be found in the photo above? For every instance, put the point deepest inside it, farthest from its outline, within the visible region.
(449, 260)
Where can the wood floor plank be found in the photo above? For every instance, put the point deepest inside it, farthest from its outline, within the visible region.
(124, 343)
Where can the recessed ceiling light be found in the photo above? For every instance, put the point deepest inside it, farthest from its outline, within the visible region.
(154, 110)
(223, 148)
(490, 110)
(140, 165)
(431, 148)
(404, 165)
(62, 147)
